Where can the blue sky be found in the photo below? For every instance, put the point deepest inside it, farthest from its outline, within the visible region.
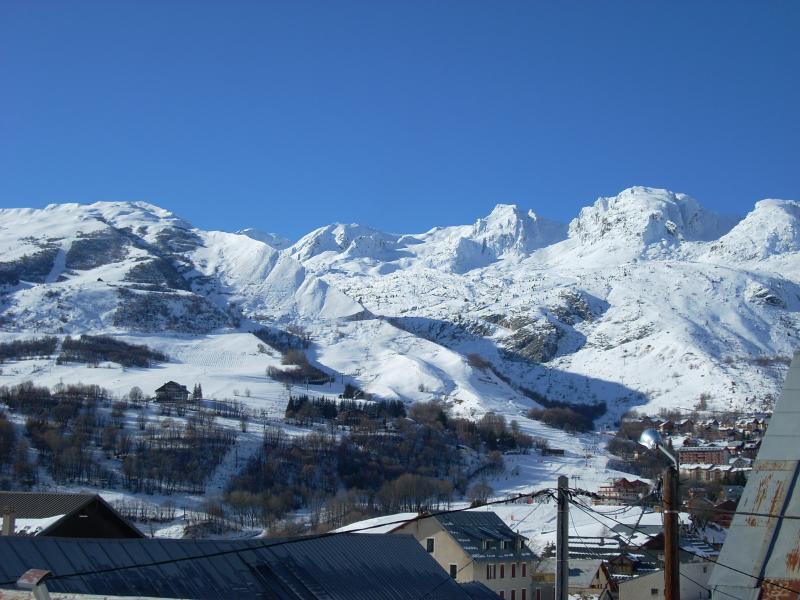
(400, 115)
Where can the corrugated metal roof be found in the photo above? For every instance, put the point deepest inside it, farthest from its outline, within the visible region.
(339, 567)
(39, 505)
(767, 547)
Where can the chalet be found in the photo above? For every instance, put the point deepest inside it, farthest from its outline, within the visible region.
(683, 427)
(622, 491)
(62, 515)
(477, 546)
(337, 567)
(666, 427)
(172, 392)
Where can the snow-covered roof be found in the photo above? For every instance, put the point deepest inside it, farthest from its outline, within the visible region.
(384, 524)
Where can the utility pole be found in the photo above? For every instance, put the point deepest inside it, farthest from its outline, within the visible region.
(653, 440)
(672, 585)
(562, 540)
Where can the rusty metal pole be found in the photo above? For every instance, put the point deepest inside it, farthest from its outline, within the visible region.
(562, 540)
(672, 585)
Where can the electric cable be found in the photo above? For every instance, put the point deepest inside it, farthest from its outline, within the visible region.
(276, 544)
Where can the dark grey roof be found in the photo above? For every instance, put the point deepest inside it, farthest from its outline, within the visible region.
(172, 385)
(339, 567)
(471, 528)
(478, 591)
(38, 505)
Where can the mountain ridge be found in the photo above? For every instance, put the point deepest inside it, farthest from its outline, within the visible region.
(646, 299)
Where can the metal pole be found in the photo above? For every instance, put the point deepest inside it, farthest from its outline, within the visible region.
(562, 541)
(672, 586)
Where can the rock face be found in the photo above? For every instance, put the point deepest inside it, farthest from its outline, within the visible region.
(772, 228)
(645, 216)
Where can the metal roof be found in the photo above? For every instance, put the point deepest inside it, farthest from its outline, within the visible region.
(339, 567)
(767, 547)
(471, 528)
(478, 591)
(39, 505)
(581, 571)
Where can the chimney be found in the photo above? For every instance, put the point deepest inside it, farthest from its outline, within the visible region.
(9, 516)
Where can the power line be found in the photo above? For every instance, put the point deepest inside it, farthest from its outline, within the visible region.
(472, 560)
(640, 502)
(698, 555)
(655, 556)
(419, 517)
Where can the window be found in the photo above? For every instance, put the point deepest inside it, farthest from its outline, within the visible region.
(513, 594)
(502, 571)
(524, 569)
(654, 591)
(494, 571)
(453, 570)
(513, 570)
(502, 594)
(429, 545)
(507, 545)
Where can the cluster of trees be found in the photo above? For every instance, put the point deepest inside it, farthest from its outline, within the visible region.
(15, 464)
(569, 417)
(61, 423)
(307, 410)
(635, 458)
(66, 452)
(160, 311)
(416, 466)
(32, 348)
(401, 464)
(61, 404)
(30, 267)
(283, 340)
(94, 349)
(300, 372)
(176, 458)
(8, 440)
(491, 432)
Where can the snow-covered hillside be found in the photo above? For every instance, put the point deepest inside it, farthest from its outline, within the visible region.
(645, 300)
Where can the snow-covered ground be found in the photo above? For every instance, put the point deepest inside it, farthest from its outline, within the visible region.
(645, 300)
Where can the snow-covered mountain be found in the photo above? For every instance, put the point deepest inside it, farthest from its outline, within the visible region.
(644, 300)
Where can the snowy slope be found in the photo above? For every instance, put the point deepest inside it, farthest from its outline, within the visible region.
(650, 300)
(645, 300)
